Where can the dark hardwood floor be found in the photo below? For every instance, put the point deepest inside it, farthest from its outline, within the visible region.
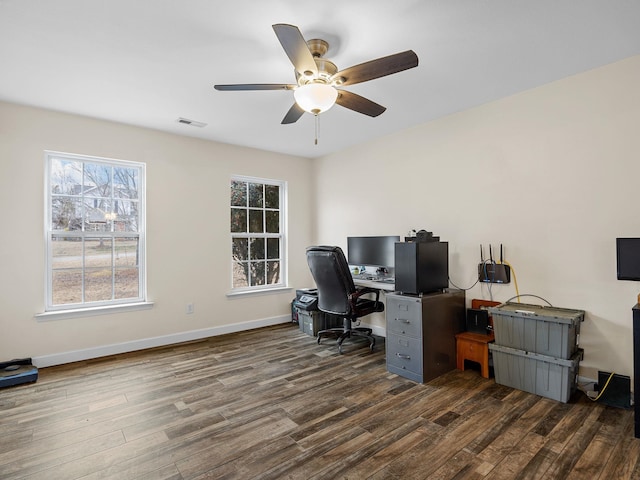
(273, 404)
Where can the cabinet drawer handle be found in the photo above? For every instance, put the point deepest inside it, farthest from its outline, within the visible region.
(403, 356)
(403, 320)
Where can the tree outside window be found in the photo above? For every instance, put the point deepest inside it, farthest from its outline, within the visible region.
(95, 240)
(257, 233)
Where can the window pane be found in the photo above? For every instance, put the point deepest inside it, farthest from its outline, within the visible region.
(255, 195)
(257, 248)
(257, 257)
(255, 221)
(66, 286)
(271, 196)
(273, 272)
(273, 248)
(66, 177)
(126, 252)
(273, 221)
(97, 214)
(125, 182)
(97, 180)
(126, 283)
(91, 204)
(98, 284)
(124, 216)
(66, 213)
(257, 273)
(98, 252)
(66, 253)
(238, 220)
(240, 248)
(238, 194)
(240, 275)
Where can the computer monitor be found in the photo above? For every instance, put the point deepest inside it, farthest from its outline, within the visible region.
(628, 258)
(374, 251)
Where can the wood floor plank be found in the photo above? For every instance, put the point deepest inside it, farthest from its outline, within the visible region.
(624, 460)
(272, 404)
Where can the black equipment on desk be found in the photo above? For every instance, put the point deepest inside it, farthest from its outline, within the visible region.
(478, 321)
(422, 266)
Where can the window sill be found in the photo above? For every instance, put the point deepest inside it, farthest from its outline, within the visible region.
(87, 312)
(263, 291)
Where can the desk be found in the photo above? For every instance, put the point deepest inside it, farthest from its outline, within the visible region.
(361, 282)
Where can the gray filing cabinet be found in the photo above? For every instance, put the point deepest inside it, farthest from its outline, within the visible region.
(421, 330)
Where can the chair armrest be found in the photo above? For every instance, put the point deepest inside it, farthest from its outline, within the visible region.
(353, 298)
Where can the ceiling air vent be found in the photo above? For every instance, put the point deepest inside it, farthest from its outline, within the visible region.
(193, 123)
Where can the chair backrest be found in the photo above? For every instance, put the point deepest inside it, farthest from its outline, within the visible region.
(331, 273)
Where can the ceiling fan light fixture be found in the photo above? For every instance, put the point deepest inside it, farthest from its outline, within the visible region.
(315, 97)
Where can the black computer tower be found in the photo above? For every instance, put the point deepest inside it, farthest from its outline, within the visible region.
(421, 267)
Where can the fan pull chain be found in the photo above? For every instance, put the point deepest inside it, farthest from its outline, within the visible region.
(317, 127)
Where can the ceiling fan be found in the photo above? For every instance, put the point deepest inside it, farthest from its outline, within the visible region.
(318, 80)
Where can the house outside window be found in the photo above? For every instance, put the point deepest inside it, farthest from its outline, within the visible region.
(257, 233)
(95, 222)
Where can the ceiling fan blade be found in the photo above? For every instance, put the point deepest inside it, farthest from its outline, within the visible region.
(359, 104)
(296, 48)
(255, 86)
(377, 68)
(292, 116)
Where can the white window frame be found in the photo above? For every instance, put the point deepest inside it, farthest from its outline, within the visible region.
(282, 235)
(107, 305)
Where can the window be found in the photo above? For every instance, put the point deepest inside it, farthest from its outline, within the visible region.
(257, 233)
(95, 232)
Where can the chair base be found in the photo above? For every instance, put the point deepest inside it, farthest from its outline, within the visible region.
(348, 332)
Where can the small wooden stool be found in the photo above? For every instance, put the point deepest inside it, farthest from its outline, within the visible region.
(474, 347)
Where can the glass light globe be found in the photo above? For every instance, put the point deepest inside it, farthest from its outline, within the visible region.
(315, 97)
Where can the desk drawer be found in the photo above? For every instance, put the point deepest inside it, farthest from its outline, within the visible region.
(404, 353)
(404, 316)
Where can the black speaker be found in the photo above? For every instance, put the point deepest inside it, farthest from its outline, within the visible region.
(421, 267)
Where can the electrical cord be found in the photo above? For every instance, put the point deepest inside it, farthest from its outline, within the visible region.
(530, 295)
(460, 288)
(484, 263)
(515, 280)
(486, 275)
(603, 388)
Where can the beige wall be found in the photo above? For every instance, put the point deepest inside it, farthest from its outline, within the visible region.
(187, 225)
(551, 173)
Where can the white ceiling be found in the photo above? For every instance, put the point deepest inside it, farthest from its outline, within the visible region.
(149, 62)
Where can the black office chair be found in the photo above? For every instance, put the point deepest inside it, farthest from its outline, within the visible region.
(337, 295)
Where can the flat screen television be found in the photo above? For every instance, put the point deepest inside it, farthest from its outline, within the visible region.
(374, 251)
(628, 258)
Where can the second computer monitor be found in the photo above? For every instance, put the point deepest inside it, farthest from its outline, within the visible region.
(374, 251)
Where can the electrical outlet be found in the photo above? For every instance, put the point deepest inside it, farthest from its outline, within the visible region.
(189, 308)
(490, 272)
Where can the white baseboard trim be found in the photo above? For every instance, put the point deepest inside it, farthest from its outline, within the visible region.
(113, 349)
(585, 381)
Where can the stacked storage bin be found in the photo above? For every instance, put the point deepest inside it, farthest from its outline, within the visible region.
(536, 348)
